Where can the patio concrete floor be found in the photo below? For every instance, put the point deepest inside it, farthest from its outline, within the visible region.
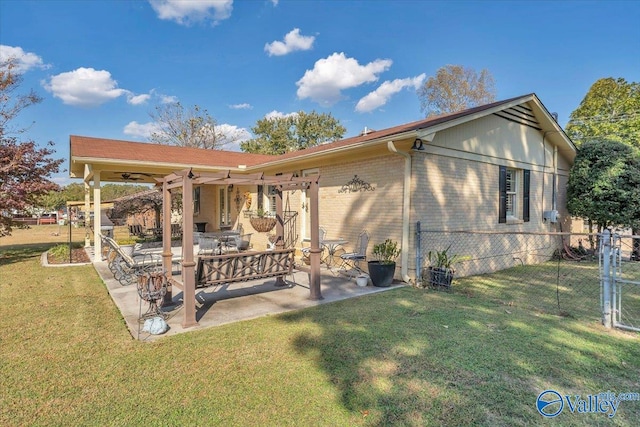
(227, 303)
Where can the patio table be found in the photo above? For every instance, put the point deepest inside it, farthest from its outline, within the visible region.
(332, 246)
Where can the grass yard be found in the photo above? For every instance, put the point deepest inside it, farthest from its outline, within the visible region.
(476, 356)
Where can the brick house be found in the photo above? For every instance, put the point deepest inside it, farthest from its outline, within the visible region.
(502, 166)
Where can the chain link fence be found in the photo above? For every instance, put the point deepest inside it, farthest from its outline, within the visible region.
(547, 272)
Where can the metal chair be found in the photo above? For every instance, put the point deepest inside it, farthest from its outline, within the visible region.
(351, 260)
(208, 246)
(323, 234)
(125, 267)
(239, 243)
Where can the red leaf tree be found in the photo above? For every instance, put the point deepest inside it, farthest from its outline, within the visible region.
(25, 168)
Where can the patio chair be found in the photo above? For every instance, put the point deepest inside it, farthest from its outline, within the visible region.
(323, 234)
(127, 267)
(136, 230)
(208, 246)
(176, 231)
(351, 260)
(239, 243)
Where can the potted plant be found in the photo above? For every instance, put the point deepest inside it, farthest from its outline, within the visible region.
(383, 267)
(441, 269)
(262, 222)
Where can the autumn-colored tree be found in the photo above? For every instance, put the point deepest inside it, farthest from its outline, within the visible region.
(610, 110)
(279, 135)
(186, 128)
(25, 168)
(455, 88)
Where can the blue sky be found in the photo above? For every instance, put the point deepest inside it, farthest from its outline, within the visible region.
(103, 66)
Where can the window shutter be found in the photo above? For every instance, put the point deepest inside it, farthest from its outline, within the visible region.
(526, 181)
(502, 211)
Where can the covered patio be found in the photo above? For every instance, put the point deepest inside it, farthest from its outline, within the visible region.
(186, 179)
(222, 304)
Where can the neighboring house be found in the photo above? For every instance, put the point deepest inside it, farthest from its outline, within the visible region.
(498, 167)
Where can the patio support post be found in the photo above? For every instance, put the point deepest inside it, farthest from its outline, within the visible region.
(97, 221)
(279, 229)
(87, 212)
(166, 238)
(188, 265)
(314, 252)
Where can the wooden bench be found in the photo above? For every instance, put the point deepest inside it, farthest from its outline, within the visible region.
(227, 268)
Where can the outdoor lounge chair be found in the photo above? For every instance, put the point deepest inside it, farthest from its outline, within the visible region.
(351, 260)
(126, 267)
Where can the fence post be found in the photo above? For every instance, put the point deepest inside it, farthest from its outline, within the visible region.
(418, 255)
(606, 278)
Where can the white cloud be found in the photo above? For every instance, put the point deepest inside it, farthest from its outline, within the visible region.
(292, 41)
(168, 99)
(140, 130)
(84, 87)
(232, 136)
(335, 73)
(385, 91)
(24, 60)
(274, 2)
(279, 115)
(244, 106)
(185, 12)
(138, 99)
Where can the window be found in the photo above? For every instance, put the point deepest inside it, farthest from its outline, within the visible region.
(271, 197)
(512, 185)
(270, 194)
(225, 214)
(196, 200)
(514, 194)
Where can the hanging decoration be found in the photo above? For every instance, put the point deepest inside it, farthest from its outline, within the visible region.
(356, 185)
(247, 199)
(262, 224)
(238, 200)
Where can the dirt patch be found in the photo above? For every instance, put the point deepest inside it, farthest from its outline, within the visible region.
(78, 255)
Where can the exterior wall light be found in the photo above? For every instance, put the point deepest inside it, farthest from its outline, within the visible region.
(418, 145)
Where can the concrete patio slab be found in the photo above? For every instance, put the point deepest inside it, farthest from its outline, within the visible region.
(227, 303)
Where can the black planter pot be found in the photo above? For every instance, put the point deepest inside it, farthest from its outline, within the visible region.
(440, 277)
(381, 274)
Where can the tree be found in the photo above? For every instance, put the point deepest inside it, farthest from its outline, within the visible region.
(186, 128)
(291, 133)
(604, 184)
(25, 169)
(610, 110)
(455, 88)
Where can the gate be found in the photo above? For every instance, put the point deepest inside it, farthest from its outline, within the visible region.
(620, 281)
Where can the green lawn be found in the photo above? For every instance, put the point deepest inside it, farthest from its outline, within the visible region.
(476, 356)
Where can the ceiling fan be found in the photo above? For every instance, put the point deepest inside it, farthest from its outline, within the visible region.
(133, 176)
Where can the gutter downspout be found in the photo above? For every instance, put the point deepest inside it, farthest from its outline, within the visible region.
(406, 204)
